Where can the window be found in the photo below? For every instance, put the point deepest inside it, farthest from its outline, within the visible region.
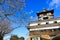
(46, 22)
(44, 14)
(45, 18)
(54, 29)
(58, 28)
(55, 21)
(41, 30)
(50, 30)
(38, 24)
(44, 30)
(36, 38)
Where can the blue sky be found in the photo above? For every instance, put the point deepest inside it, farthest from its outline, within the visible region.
(34, 6)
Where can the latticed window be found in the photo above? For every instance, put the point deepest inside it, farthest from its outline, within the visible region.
(47, 23)
(55, 21)
(35, 38)
(45, 18)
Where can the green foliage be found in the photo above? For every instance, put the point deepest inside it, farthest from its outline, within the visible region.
(15, 37)
(21, 38)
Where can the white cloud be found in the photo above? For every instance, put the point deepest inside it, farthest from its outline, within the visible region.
(54, 3)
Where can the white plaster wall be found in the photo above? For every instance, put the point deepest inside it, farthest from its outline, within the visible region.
(43, 23)
(48, 13)
(33, 24)
(41, 18)
(58, 21)
(50, 22)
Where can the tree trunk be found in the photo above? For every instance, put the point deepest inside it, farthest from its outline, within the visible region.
(1, 37)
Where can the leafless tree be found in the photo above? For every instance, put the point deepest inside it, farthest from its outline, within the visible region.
(8, 10)
(4, 28)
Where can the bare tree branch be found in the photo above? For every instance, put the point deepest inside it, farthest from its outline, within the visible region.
(9, 8)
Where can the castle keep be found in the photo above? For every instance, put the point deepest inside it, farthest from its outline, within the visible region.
(47, 27)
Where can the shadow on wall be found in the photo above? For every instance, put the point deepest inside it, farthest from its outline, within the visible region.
(56, 38)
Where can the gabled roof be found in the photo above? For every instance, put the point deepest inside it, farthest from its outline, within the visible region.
(43, 12)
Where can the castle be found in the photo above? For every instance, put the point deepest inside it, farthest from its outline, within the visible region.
(46, 28)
